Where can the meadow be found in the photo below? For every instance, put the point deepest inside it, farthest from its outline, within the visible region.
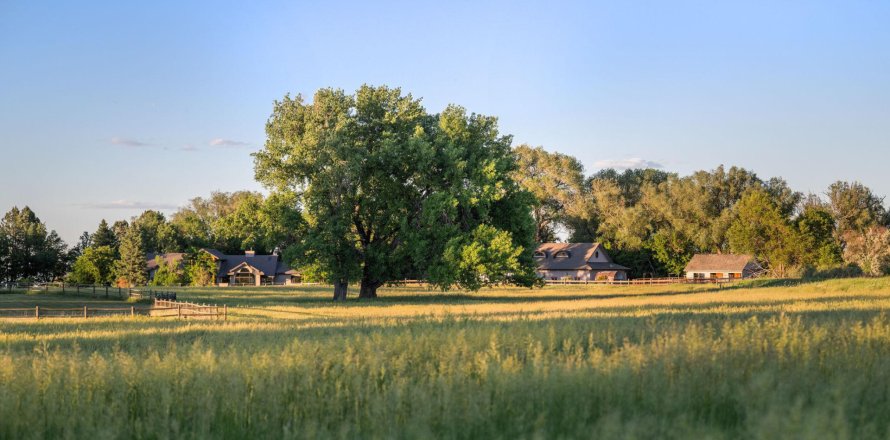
(761, 359)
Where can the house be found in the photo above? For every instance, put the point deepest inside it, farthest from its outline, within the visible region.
(171, 258)
(251, 269)
(237, 270)
(577, 261)
(716, 266)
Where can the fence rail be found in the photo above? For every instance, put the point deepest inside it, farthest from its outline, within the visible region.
(160, 308)
(647, 281)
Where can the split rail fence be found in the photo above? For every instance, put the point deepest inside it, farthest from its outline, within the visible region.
(160, 308)
(647, 281)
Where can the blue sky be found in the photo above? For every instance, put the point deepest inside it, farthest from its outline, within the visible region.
(109, 108)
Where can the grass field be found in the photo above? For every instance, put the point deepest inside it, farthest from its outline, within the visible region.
(767, 359)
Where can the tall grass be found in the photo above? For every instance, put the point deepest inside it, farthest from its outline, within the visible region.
(768, 369)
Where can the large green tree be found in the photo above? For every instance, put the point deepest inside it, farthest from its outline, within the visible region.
(556, 180)
(760, 229)
(233, 222)
(94, 266)
(131, 267)
(820, 247)
(158, 235)
(30, 250)
(855, 207)
(104, 236)
(387, 188)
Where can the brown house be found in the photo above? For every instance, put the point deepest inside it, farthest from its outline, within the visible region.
(715, 266)
(237, 270)
(577, 261)
(251, 269)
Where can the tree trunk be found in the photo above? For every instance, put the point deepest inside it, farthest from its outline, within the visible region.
(340, 287)
(368, 289)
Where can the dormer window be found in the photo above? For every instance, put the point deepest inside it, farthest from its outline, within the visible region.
(596, 254)
(561, 255)
(539, 254)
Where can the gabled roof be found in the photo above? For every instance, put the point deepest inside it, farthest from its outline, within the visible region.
(215, 253)
(718, 262)
(267, 264)
(245, 264)
(579, 256)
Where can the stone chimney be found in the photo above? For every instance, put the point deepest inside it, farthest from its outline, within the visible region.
(249, 254)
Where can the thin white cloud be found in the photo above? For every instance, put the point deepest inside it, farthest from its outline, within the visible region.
(126, 142)
(220, 142)
(189, 147)
(128, 204)
(627, 164)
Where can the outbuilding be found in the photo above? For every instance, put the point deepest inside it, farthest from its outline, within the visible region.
(722, 266)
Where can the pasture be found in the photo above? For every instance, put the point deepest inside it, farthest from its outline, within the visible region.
(762, 359)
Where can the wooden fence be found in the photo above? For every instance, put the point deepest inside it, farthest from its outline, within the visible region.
(647, 281)
(159, 309)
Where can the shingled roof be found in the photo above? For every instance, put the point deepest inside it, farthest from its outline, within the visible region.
(269, 265)
(718, 262)
(579, 256)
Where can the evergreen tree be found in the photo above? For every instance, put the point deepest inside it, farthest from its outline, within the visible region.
(131, 266)
(104, 236)
(30, 251)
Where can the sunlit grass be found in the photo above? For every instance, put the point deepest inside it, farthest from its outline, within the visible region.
(770, 359)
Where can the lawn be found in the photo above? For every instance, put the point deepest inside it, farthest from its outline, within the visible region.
(762, 359)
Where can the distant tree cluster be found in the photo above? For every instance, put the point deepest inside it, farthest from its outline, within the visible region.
(372, 188)
(28, 251)
(654, 221)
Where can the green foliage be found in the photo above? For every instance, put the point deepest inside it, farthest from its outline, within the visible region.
(761, 230)
(486, 258)
(104, 236)
(201, 269)
(28, 250)
(233, 222)
(855, 207)
(168, 273)
(386, 186)
(131, 267)
(819, 244)
(157, 234)
(556, 181)
(95, 266)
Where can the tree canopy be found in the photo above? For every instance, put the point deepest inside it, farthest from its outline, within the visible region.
(386, 187)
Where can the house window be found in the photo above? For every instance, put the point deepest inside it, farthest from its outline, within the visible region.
(562, 254)
(244, 277)
(539, 254)
(698, 275)
(596, 254)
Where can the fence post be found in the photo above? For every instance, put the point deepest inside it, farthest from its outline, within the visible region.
(179, 312)
(106, 291)
(94, 290)
(132, 310)
(225, 312)
(84, 311)
(63, 287)
(119, 292)
(36, 312)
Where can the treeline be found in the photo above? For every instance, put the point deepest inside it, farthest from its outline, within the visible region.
(115, 254)
(654, 221)
(371, 187)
